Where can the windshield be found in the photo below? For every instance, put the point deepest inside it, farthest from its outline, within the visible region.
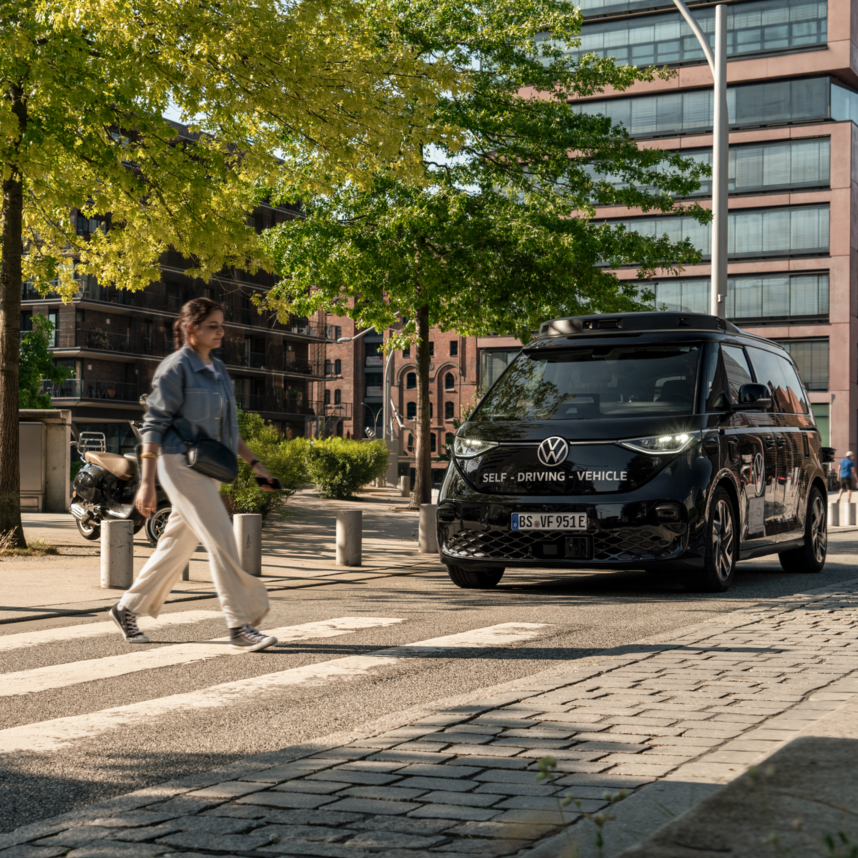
(600, 381)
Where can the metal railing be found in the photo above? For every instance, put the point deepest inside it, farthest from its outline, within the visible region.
(303, 365)
(82, 388)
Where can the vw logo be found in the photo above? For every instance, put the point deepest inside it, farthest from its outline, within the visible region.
(758, 476)
(552, 451)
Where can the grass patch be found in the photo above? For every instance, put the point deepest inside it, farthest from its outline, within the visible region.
(35, 547)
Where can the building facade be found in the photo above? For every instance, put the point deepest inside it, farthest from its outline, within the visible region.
(113, 340)
(793, 227)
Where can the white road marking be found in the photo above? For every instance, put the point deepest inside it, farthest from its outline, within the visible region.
(73, 673)
(70, 633)
(62, 732)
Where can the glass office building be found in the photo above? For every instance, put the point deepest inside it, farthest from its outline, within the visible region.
(793, 229)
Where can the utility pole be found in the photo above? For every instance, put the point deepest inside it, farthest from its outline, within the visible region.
(720, 152)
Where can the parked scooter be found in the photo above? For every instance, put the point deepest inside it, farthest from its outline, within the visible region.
(105, 488)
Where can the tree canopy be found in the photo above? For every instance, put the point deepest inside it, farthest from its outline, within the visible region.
(37, 364)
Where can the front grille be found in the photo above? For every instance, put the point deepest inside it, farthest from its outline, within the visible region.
(640, 543)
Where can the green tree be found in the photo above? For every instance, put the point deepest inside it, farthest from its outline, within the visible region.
(264, 85)
(37, 364)
(500, 235)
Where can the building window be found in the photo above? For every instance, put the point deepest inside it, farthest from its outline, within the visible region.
(411, 441)
(750, 298)
(338, 367)
(411, 381)
(449, 410)
(327, 397)
(340, 428)
(665, 39)
(431, 349)
(449, 381)
(328, 369)
(338, 397)
(338, 332)
(411, 410)
(811, 358)
(406, 353)
(431, 410)
(433, 444)
(492, 364)
(784, 231)
(454, 348)
(770, 103)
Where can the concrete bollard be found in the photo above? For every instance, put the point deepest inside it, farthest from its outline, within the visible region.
(833, 514)
(248, 537)
(117, 554)
(847, 514)
(405, 486)
(427, 539)
(349, 536)
(186, 572)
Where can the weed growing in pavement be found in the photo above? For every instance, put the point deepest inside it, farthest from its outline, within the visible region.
(840, 846)
(35, 547)
(548, 774)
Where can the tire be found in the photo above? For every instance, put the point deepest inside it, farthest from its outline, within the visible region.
(470, 579)
(810, 558)
(719, 562)
(88, 531)
(155, 525)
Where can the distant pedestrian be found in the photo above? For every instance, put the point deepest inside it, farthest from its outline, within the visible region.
(847, 472)
(192, 398)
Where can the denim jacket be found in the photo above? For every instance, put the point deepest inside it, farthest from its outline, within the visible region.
(187, 397)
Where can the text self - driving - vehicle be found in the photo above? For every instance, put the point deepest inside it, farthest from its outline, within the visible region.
(640, 441)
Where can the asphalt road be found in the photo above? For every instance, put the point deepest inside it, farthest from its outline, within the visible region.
(579, 615)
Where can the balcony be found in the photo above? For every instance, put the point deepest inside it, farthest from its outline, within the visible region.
(300, 365)
(256, 360)
(118, 342)
(277, 401)
(30, 293)
(84, 389)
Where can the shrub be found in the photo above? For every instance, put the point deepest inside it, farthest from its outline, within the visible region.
(286, 460)
(340, 466)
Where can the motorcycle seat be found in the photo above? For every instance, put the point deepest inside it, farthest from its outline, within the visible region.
(119, 466)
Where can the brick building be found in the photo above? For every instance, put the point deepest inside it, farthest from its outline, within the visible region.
(792, 77)
(460, 368)
(113, 340)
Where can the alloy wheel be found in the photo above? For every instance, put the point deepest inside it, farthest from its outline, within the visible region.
(818, 534)
(159, 522)
(722, 539)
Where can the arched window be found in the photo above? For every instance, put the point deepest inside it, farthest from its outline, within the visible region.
(328, 369)
(448, 410)
(449, 438)
(411, 410)
(338, 367)
(449, 382)
(338, 397)
(411, 381)
(327, 397)
(432, 443)
(410, 440)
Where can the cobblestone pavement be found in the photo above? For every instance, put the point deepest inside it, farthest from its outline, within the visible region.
(698, 706)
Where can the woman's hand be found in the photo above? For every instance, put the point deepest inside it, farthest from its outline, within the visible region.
(146, 500)
(261, 471)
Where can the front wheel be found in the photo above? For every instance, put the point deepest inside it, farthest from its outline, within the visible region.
(810, 558)
(91, 530)
(156, 524)
(719, 562)
(471, 579)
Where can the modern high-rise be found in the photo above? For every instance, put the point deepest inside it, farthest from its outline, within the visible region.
(792, 77)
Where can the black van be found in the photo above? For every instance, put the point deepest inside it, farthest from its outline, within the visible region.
(641, 441)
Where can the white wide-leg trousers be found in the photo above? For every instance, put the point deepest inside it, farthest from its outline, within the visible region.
(198, 516)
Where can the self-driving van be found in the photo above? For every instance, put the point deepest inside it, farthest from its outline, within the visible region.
(656, 441)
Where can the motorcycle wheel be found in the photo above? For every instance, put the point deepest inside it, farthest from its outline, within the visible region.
(155, 525)
(90, 530)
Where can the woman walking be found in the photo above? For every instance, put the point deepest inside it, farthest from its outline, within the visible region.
(192, 399)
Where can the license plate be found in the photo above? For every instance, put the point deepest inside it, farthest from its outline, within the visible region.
(549, 521)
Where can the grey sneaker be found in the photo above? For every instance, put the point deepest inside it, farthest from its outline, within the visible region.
(248, 639)
(127, 622)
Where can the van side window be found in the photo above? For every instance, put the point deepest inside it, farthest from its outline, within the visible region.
(727, 372)
(769, 369)
(795, 392)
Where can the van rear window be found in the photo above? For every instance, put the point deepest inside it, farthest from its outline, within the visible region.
(599, 381)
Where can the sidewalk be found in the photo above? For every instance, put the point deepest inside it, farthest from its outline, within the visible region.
(298, 551)
(669, 720)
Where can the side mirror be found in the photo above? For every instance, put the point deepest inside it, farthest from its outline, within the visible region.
(754, 397)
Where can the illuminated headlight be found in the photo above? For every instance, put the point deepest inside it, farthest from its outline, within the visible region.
(467, 448)
(657, 444)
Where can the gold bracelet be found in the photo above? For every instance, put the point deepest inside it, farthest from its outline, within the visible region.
(148, 455)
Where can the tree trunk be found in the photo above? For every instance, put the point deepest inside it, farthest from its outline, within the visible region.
(10, 337)
(422, 492)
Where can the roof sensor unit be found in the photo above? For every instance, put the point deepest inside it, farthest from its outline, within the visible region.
(634, 322)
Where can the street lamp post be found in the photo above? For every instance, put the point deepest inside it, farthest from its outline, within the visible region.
(720, 149)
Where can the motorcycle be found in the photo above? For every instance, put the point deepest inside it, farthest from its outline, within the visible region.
(105, 488)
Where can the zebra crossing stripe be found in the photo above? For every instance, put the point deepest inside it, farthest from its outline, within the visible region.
(89, 630)
(73, 673)
(63, 732)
